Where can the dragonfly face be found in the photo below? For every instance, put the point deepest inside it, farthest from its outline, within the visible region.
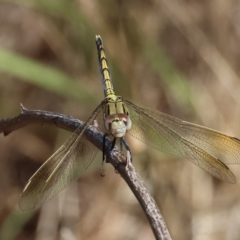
(118, 124)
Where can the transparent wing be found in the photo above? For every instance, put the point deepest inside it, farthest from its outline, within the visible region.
(203, 146)
(63, 167)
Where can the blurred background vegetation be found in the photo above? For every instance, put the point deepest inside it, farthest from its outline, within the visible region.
(179, 57)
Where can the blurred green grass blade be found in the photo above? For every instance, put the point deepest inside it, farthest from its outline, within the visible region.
(14, 223)
(70, 12)
(172, 77)
(161, 63)
(67, 10)
(176, 82)
(41, 75)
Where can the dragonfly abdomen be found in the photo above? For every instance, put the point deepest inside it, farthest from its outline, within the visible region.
(104, 70)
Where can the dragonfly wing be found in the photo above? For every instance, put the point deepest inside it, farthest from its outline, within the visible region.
(63, 167)
(156, 129)
(220, 145)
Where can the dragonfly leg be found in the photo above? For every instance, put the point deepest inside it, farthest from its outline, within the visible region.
(129, 153)
(124, 142)
(121, 146)
(104, 153)
(113, 144)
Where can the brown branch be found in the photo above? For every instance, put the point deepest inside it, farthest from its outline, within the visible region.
(115, 157)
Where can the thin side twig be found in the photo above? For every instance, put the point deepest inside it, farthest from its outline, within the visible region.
(115, 157)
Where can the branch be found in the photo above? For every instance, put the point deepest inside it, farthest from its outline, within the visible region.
(115, 157)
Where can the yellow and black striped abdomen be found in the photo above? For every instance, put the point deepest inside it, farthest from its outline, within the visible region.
(104, 70)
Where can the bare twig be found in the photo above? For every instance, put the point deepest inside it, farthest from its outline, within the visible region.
(115, 157)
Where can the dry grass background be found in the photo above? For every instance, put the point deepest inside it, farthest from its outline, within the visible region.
(179, 57)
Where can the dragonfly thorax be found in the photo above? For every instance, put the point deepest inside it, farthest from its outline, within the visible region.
(118, 124)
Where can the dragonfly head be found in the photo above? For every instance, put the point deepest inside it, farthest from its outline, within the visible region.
(118, 124)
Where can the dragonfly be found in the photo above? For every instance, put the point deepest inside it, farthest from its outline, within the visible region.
(209, 149)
